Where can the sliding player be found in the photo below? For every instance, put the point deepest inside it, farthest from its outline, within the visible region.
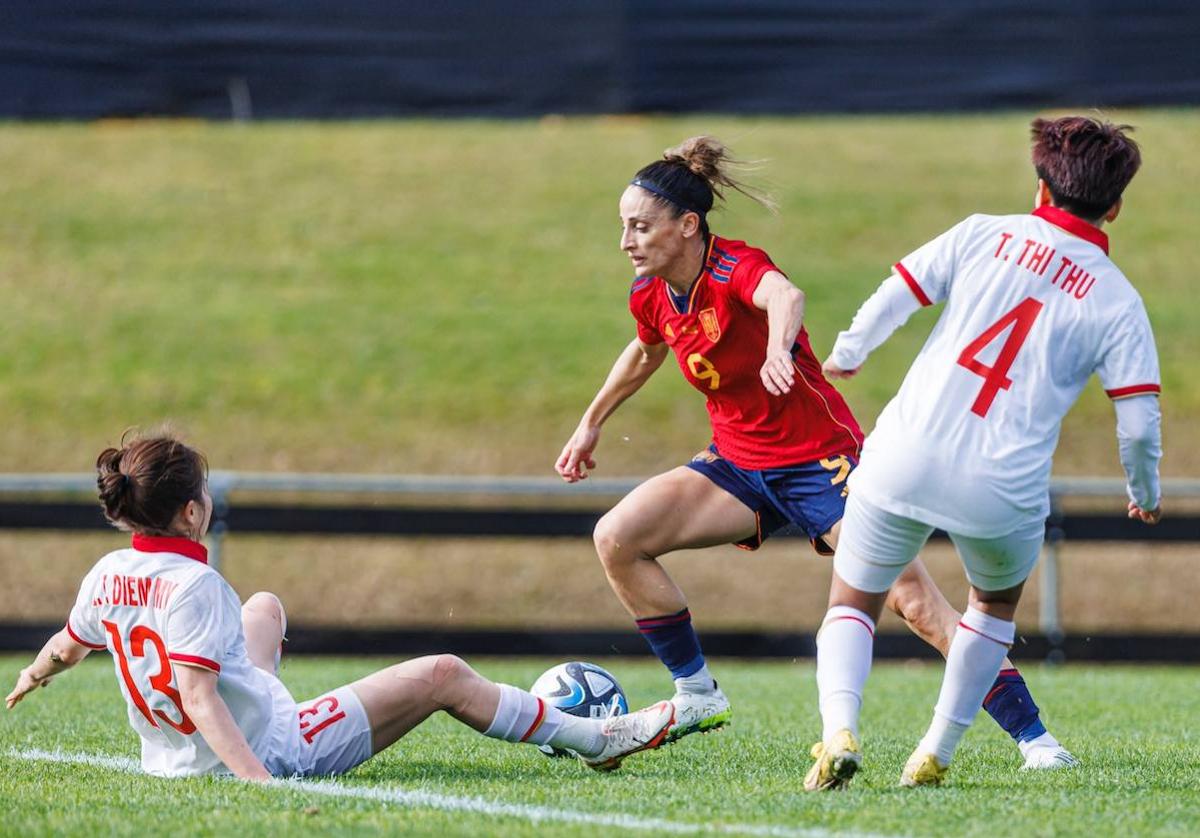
(784, 441)
(1033, 307)
(198, 670)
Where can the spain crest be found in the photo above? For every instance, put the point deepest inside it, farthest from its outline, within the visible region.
(710, 324)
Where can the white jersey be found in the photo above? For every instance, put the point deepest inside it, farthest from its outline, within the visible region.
(158, 605)
(1034, 306)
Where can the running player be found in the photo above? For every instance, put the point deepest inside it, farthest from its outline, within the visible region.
(1033, 307)
(784, 441)
(198, 670)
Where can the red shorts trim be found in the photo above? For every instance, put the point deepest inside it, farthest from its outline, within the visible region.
(1133, 390)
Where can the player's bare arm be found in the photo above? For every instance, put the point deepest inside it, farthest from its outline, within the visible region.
(209, 712)
(784, 304)
(58, 655)
(633, 368)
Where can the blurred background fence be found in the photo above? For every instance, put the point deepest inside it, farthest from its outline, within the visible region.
(373, 58)
(422, 506)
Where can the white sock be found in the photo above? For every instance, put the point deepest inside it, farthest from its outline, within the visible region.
(844, 646)
(976, 653)
(523, 717)
(699, 682)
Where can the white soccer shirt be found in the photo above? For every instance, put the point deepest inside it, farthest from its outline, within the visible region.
(1033, 307)
(159, 604)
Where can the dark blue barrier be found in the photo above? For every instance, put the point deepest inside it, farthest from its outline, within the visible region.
(375, 58)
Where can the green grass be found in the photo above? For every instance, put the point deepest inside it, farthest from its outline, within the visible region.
(446, 296)
(1132, 727)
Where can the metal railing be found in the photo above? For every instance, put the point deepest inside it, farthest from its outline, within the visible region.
(224, 484)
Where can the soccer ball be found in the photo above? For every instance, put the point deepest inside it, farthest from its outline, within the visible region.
(581, 689)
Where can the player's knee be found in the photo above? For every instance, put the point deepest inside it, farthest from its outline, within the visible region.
(612, 540)
(448, 673)
(265, 603)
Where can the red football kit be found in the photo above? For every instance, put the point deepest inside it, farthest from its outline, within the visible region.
(720, 341)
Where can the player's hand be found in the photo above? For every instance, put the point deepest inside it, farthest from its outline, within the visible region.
(832, 370)
(576, 457)
(26, 684)
(778, 372)
(1149, 517)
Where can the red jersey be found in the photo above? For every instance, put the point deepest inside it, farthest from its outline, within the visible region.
(720, 340)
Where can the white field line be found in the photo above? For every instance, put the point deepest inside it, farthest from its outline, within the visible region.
(417, 799)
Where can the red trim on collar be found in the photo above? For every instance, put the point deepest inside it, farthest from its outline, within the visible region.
(163, 544)
(1075, 225)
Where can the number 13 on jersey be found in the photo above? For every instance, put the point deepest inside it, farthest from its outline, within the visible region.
(995, 378)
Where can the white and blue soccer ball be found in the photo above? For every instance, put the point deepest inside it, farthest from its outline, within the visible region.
(581, 689)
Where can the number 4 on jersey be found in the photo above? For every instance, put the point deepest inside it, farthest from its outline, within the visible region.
(995, 378)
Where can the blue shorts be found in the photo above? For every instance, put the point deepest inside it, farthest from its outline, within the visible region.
(811, 496)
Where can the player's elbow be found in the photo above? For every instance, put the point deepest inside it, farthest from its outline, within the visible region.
(64, 649)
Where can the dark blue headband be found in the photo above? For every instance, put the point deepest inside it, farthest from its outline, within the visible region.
(651, 186)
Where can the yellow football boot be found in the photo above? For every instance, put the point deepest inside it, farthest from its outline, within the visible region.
(836, 763)
(923, 769)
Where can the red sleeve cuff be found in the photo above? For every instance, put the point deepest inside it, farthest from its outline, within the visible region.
(912, 284)
(195, 660)
(1134, 390)
(81, 641)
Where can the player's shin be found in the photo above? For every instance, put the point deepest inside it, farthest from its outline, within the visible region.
(976, 653)
(844, 648)
(673, 640)
(1009, 702)
(523, 717)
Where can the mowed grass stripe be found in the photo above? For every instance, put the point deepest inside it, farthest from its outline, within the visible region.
(417, 798)
(447, 296)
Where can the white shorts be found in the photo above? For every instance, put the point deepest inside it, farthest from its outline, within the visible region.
(875, 546)
(329, 734)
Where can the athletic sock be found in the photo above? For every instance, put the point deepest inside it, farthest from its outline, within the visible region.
(699, 682)
(524, 717)
(844, 646)
(976, 652)
(1013, 708)
(674, 641)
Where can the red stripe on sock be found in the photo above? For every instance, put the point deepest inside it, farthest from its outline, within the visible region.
(985, 636)
(659, 622)
(992, 694)
(858, 620)
(537, 722)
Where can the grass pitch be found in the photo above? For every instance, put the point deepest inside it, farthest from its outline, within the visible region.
(1133, 728)
(447, 296)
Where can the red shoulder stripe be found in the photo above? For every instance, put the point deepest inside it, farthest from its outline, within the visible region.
(80, 640)
(913, 285)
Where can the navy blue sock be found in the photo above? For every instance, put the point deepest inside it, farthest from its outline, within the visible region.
(1011, 705)
(674, 641)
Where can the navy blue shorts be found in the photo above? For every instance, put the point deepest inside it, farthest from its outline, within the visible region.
(811, 496)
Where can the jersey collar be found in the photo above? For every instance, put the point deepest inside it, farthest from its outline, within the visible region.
(1073, 224)
(164, 544)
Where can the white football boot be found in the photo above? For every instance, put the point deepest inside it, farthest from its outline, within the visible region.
(624, 735)
(699, 713)
(1046, 754)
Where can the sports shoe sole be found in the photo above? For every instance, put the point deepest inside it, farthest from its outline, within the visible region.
(713, 722)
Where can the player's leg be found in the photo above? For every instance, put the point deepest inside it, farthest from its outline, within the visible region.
(397, 699)
(997, 569)
(680, 509)
(874, 548)
(264, 624)
(917, 600)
